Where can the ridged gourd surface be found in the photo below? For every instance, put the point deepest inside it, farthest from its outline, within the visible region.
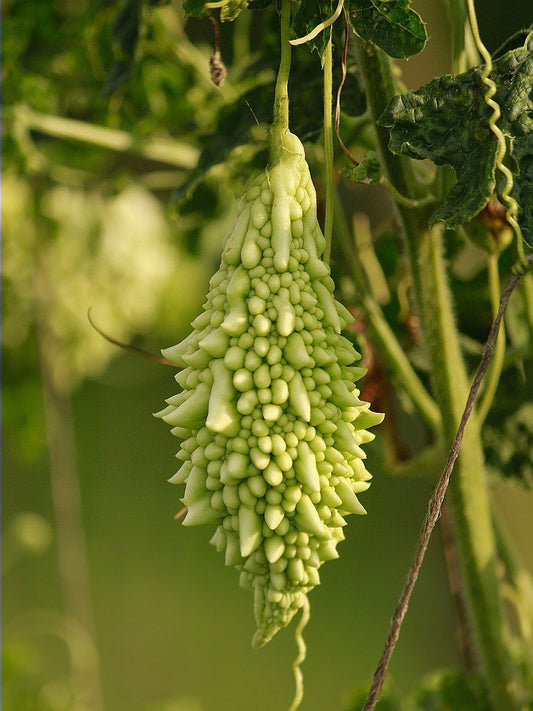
(269, 417)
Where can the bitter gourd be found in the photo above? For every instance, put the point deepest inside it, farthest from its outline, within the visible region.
(270, 418)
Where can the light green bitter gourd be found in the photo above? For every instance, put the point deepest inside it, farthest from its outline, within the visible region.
(270, 418)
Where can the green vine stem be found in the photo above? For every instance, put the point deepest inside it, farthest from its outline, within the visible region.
(71, 546)
(496, 367)
(468, 491)
(464, 52)
(328, 144)
(382, 334)
(169, 151)
(428, 199)
(281, 96)
(527, 295)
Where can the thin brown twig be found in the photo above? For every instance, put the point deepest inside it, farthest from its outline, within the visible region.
(129, 347)
(339, 90)
(436, 502)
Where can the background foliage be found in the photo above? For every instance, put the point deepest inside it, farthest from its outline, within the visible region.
(94, 223)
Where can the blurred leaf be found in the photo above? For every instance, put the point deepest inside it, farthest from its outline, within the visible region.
(126, 31)
(452, 691)
(368, 170)
(232, 9)
(228, 12)
(389, 24)
(447, 121)
(232, 130)
(126, 26)
(194, 8)
(509, 444)
(118, 75)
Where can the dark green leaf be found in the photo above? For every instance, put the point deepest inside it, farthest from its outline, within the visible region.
(508, 431)
(259, 4)
(194, 8)
(126, 26)
(390, 24)
(126, 31)
(447, 121)
(353, 98)
(309, 15)
(368, 170)
(120, 73)
(452, 691)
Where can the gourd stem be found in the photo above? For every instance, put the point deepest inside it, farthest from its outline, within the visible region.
(499, 354)
(468, 490)
(328, 144)
(281, 96)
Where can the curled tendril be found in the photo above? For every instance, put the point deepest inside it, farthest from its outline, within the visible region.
(320, 27)
(302, 652)
(509, 201)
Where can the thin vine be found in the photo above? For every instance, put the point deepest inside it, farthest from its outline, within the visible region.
(436, 501)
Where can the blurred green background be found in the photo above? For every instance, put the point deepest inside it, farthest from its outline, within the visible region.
(86, 227)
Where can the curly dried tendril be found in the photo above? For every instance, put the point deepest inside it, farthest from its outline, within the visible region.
(508, 199)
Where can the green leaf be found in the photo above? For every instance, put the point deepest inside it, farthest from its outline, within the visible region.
(390, 24)
(368, 170)
(231, 9)
(447, 121)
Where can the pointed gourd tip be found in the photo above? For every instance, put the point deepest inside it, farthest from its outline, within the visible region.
(259, 640)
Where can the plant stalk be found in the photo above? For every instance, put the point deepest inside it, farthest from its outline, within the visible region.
(499, 355)
(382, 334)
(469, 500)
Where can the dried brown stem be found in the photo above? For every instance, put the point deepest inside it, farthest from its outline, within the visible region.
(129, 347)
(339, 90)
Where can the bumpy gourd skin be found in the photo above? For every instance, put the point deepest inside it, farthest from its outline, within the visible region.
(269, 416)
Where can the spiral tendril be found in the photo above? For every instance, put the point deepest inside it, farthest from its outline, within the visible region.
(508, 200)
